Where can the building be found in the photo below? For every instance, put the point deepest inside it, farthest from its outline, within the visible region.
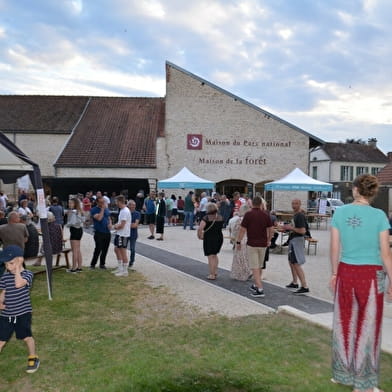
(126, 144)
(340, 163)
(384, 198)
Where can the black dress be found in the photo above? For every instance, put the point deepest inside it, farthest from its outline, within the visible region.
(213, 237)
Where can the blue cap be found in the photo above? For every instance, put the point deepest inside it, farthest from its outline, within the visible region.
(10, 252)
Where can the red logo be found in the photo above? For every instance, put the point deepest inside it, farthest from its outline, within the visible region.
(194, 142)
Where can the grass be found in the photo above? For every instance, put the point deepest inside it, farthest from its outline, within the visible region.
(107, 334)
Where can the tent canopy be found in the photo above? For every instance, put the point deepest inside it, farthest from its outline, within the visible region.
(11, 166)
(14, 164)
(297, 180)
(186, 179)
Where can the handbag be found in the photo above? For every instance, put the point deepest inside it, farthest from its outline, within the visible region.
(74, 220)
(200, 235)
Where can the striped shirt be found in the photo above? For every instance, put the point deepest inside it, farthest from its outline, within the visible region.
(17, 300)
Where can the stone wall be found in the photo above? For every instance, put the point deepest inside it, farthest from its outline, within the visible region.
(220, 137)
(238, 140)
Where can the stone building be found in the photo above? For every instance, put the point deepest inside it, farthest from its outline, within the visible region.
(117, 144)
(340, 163)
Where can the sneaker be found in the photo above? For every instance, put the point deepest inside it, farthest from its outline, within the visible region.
(102, 267)
(123, 272)
(258, 293)
(79, 270)
(292, 285)
(151, 237)
(92, 267)
(253, 287)
(72, 271)
(302, 290)
(32, 364)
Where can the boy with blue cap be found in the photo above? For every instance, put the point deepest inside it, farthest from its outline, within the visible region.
(15, 304)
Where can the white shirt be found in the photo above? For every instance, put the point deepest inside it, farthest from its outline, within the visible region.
(203, 204)
(24, 211)
(125, 215)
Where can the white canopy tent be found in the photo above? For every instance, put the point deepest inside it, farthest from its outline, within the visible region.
(297, 180)
(185, 179)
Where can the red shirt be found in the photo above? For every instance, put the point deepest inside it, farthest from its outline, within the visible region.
(257, 223)
(86, 204)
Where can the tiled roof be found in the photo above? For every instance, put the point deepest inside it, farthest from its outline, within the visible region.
(116, 132)
(353, 152)
(385, 174)
(40, 113)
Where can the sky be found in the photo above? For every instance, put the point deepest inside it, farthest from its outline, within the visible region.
(323, 65)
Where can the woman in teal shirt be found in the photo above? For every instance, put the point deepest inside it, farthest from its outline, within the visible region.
(360, 256)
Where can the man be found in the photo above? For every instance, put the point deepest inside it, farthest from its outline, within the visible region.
(296, 249)
(102, 225)
(32, 244)
(121, 239)
(149, 208)
(3, 201)
(135, 215)
(203, 205)
(258, 227)
(189, 209)
(14, 232)
(236, 202)
(161, 213)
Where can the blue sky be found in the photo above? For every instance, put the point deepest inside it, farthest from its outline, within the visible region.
(324, 66)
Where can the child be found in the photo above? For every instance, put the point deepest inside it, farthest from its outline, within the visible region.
(15, 305)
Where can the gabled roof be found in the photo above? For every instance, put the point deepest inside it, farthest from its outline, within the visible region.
(116, 132)
(40, 113)
(385, 174)
(313, 140)
(354, 152)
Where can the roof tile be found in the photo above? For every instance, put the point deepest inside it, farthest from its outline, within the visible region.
(116, 132)
(40, 113)
(354, 152)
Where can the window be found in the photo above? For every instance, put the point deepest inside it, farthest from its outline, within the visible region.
(346, 173)
(375, 170)
(362, 170)
(314, 172)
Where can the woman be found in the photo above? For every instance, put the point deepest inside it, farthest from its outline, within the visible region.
(24, 210)
(55, 236)
(75, 224)
(174, 212)
(210, 230)
(240, 268)
(359, 248)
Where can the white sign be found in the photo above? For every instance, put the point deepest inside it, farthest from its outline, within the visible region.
(41, 205)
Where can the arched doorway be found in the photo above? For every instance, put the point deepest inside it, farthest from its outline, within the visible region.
(228, 187)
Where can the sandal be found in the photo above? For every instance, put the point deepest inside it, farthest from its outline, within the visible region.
(211, 277)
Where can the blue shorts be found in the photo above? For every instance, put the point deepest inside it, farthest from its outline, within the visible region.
(20, 324)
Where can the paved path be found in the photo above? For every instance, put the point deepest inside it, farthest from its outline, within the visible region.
(275, 295)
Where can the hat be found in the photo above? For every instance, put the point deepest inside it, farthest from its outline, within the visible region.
(10, 252)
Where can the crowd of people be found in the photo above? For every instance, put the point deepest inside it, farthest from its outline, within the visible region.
(360, 256)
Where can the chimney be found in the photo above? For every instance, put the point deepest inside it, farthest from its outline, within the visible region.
(372, 142)
(389, 155)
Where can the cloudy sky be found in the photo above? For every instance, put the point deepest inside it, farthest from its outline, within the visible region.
(323, 65)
